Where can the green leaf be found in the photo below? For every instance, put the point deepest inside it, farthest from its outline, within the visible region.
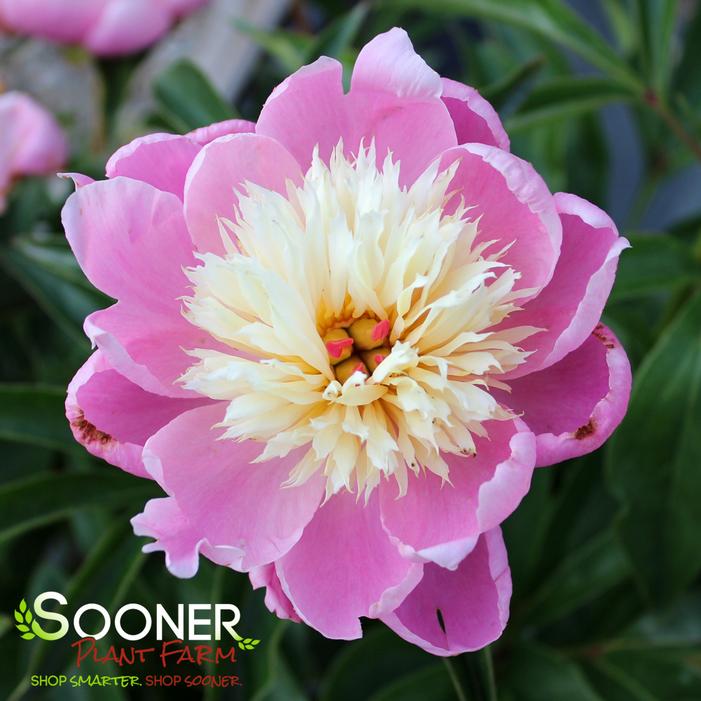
(65, 302)
(551, 19)
(36, 415)
(562, 98)
(19, 617)
(28, 616)
(187, 99)
(501, 90)
(337, 38)
(653, 461)
(23, 606)
(45, 498)
(657, 22)
(28, 636)
(363, 666)
(535, 673)
(654, 263)
(430, 683)
(582, 576)
(22, 627)
(291, 49)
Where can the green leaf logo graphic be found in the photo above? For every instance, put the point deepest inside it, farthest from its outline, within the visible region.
(24, 617)
(246, 643)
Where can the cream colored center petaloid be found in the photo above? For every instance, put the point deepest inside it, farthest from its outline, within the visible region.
(350, 255)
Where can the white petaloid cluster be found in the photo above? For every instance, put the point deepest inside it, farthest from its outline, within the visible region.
(350, 242)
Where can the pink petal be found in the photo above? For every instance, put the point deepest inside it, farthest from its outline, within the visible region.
(473, 601)
(232, 502)
(475, 120)
(309, 109)
(175, 535)
(31, 141)
(204, 135)
(344, 567)
(388, 63)
(571, 305)
(576, 404)
(113, 418)
(222, 167)
(162, 160)
(149, 348)
(513, 206)
(482, 492)
(54, 19)
(275, 599)
(131, 241)
(126, 26)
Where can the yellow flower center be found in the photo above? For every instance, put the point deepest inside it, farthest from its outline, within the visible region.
(363, 321)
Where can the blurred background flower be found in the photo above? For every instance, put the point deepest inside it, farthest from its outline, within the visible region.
(604, 98)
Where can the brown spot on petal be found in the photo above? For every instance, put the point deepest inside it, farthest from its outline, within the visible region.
(585, 431)
(600, 333)
(88, 432)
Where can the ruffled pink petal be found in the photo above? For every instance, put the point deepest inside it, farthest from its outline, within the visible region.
(473, 602)
(53, 19)
(120, 231)
(345, 567)
(388, 63)
(204, 135)
(162, 160)
(221, 168)
(571, 305)
(78, 179)
(514, 207)
(482, 492)
(113, 418)
(275, 599)
(178, 538)
(475, 120)
(576, 404)
(394, 101)
(147, 347)
(233, 502)
(126, 26)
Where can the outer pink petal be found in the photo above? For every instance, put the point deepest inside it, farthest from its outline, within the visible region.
(571, 305)
(275, 599)
(204, 135)
(162, 160)
(576, 404)
(131, 241)
(53, 19)
(394, 101)
(513, 205)
(232, 502)
(473, 602)
(482, 492)
(388, 63)
(221, 168)
(308, 109)
(475, 120)
(113, 418)
(345, 567)
(126, 26)
(175, 535)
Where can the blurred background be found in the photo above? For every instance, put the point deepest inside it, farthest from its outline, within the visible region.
(604, 97)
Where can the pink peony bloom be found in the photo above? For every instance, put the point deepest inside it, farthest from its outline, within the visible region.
(104, 27)
(344, 337)
(31, 141)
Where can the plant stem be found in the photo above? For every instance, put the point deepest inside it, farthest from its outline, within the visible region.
(665, 113)
(459, 691)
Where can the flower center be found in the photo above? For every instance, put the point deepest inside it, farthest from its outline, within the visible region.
(362, 322)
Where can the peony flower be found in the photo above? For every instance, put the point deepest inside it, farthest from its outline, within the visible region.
(344, 337)
(31, 141)
(104, 27)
